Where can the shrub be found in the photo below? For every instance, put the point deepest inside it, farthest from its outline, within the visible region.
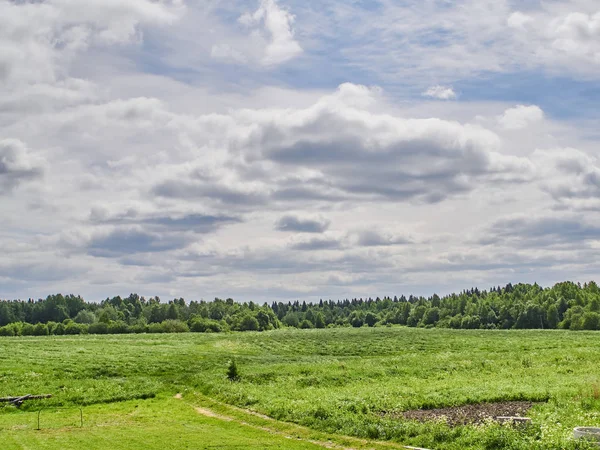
(58, 329)
(85, 316)
(168, 326)
(248, 323)
(175, 326)
(27, 330)
(306, 324)
(40, 329)
(139, 328)
(370, 319)
(118, 327)
(7, 331)
(233, 373)
(98, 328)
(202, 325)
(75, 328)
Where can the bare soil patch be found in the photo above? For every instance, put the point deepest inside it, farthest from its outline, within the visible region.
(469, 414)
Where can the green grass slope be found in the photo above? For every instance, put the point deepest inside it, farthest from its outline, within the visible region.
(336, 381)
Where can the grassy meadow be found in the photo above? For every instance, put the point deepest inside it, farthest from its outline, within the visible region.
(342, 386)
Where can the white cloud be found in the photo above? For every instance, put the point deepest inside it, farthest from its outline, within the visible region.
(417, 160)
(227, 53)
(520, 116)
(440, 92)
(16, 164)
(124, 142)
(38, 40)
(572, 178)
(563, 39)
(275, 23)
(518, 20)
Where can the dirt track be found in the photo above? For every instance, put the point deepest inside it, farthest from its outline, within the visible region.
(321, 443)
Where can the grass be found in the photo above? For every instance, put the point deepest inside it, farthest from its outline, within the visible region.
(334, 382)
(151, 424)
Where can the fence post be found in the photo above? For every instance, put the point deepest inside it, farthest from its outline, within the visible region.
(81, 416)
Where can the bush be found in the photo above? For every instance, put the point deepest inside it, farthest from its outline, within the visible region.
(306, 324)
(175, 326)
(139, 328)
(27, 329)
(202, 325)
(40, 329)
(169, 326)
(75, 328)
(85, 316)
(58, 329)
(371, 319)
(118, 327)
(98, 328)
(233, 373)
(7, 331)
(248, 323)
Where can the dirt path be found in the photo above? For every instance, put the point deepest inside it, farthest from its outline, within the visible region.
(321, 443)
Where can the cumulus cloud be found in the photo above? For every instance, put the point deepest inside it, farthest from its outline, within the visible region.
(572, 177)
(301, 224)
(518, 20)
(351, 153)
(440, 92)
(520, 116)
(562, 37)
(16, 165)
(38, 39)
(178, 169)
(275, 23)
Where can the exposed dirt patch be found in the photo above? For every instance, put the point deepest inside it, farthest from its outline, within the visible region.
(468, 414)
(178, 396)
(209, 413)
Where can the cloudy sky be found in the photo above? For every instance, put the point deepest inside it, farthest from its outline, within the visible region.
(284, 149)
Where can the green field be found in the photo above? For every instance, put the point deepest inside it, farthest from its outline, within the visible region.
(322, 387)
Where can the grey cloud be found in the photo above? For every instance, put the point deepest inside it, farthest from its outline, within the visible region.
(302, 225)
(212, 191)
(25, 272)
(351, 154)
(16, 166)
(123, 241)
(286, 262)
(542, 231)
(514, 262)
(317, 244)
(374, 238)
(197, 223)
(573, 178)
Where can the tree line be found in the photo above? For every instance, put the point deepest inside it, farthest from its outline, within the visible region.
(565, 305)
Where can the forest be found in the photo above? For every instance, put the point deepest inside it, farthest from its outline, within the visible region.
(565, 305)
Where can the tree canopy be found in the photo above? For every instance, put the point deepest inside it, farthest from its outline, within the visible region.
(565, 305)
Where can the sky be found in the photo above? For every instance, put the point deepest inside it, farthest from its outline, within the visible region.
(274, 150)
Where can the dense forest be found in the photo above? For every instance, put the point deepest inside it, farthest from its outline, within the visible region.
(566, 305)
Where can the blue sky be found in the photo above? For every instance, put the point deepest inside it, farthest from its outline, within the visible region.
(280, 149)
